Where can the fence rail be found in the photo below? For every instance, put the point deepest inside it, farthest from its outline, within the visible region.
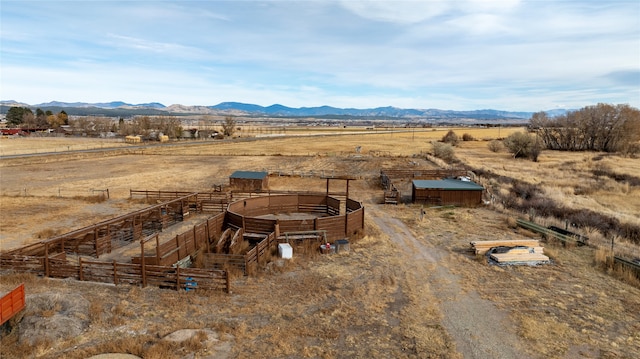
(103, 237)
(124, 273)
(550, 233)
(629, 264)
(416, 173)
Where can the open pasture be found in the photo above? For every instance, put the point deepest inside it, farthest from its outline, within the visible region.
(401, 292)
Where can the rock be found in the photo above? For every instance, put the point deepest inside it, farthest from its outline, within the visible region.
(215, 347)
(53, 317)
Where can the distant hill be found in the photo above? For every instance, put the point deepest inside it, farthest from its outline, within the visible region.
(123, 109)
(113, 104)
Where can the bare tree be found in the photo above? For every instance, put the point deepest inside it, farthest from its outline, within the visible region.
(603, 127)
(522, 144)
(229, 126)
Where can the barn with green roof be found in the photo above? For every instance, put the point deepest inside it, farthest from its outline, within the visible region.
(249, 180)
(447, 192)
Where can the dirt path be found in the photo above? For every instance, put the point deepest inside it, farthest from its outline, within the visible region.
(478, 328)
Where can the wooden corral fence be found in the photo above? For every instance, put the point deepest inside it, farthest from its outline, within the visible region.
(390, 174)
(243, 263)
(103, 237)
(145, 270)
(244, 213)
(140, 274)
(12, 303)
(182, 245)
(215, 201)
(222, 232)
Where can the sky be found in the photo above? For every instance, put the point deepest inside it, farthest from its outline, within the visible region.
(509, 55)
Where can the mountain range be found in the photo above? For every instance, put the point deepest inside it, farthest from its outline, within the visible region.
(117, 108)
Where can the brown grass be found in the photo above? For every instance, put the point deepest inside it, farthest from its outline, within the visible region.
(361, 304)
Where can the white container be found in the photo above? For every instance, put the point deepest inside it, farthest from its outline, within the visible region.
(285, 251)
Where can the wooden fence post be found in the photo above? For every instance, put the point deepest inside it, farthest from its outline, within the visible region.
(195, 239)
(81, 272)
(346, 224)
(207, 233)
(115, 272)
(177, 277)
(142, 266)
(158, 249)
(95, 240)
(228, 281)
(258, 254)
(46, 260)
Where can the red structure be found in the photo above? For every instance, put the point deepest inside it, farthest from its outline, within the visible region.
(11, 303)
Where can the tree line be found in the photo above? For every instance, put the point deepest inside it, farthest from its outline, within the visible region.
(149, 127)
(603, 127)
(25, 118)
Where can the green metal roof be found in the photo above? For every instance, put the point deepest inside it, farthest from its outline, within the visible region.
(249, 175)
(447, 185)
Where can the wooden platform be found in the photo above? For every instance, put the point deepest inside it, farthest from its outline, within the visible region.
(520, 255)
(481, 247)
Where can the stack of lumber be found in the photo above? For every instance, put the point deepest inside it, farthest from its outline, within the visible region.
(520, 255)
(481, 247)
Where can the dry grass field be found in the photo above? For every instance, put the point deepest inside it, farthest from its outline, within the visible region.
(409, 288)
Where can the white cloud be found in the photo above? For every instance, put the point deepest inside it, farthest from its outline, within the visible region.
(399, 11)
(481, 24)
(453, 54)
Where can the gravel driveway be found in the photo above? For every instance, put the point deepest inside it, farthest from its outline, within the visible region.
(478, 328)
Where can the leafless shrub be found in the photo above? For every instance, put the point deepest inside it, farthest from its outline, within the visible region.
(632, 150)
(523, 145)
(96, 309)
(495, 146)
(444, 151)
(511, 222)
(451, 138)
(525, 190)
(468, 137)
(604, 171)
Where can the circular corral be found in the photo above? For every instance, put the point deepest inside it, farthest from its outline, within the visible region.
(297, 212)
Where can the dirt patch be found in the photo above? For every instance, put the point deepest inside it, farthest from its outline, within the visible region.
(478, 328)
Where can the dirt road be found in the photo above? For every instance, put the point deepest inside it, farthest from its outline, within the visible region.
(477, 327)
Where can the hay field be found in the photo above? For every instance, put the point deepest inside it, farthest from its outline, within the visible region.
(27, 145)
(397, 143)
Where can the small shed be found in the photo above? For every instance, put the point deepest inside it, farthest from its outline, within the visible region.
(447, 192)
(249, 180)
